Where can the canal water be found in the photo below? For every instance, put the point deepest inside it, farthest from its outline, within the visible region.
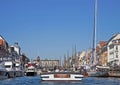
(36, 81)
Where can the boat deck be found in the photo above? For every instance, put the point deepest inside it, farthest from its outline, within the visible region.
(60, 73)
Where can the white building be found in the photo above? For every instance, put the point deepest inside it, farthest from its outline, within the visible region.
(17, 48)
(82, 58)
(113, 47)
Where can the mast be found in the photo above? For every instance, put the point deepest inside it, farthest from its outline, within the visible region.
(60, 62)
(68, 64)
(75, 56)
(72, 56)
(94, 34)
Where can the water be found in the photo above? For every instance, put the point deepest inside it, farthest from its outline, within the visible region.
(36, 81)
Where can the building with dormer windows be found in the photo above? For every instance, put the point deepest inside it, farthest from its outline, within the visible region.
(113, 47)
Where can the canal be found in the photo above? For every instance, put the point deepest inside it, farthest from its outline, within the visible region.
(36, 81)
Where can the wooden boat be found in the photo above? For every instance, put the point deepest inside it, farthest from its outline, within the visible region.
(61, 76)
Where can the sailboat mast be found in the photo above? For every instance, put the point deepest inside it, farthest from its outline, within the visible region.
(75, 56)
(94, 33)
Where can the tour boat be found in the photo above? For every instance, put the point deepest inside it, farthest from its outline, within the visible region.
(61, 76)
(31, 69)
(3, 71)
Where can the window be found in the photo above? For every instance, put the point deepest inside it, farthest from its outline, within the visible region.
(116, 48)
(62, 75)
(7, 66)
(116, 55)
(111, 53)
(114, 41)
(111, 46)
(118, 40)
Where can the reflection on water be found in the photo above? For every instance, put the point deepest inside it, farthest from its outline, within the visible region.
(61, 83)
(21, 81)
(36, 81)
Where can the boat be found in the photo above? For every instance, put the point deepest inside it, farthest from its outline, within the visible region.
(19, 71)
(101, 71)
(13, 68)
(10, 67)
(31, 69)
(3, 71)
(61, 76)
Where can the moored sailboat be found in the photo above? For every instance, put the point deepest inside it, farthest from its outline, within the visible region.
(96, 71)
(100, 71)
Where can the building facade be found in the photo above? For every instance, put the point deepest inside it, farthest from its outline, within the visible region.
(103, 59)
(3, 48)
(49, 63)
(101, 50)
(113, 48)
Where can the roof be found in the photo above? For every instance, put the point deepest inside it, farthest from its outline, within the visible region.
(112, 37)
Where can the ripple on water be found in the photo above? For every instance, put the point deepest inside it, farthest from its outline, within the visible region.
(21, 81)
(36, 81)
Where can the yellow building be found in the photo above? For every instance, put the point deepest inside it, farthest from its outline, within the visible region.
(103, 60)
(101, 50)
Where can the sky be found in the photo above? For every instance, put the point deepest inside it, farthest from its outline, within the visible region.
(52, 28)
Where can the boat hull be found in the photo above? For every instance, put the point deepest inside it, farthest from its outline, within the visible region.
(3, 75)
(98, 74)
(11, 74)
(61, 76)
(31, 73)
(19, 73)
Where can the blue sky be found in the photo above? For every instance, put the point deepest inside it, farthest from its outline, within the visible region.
(50, 28)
